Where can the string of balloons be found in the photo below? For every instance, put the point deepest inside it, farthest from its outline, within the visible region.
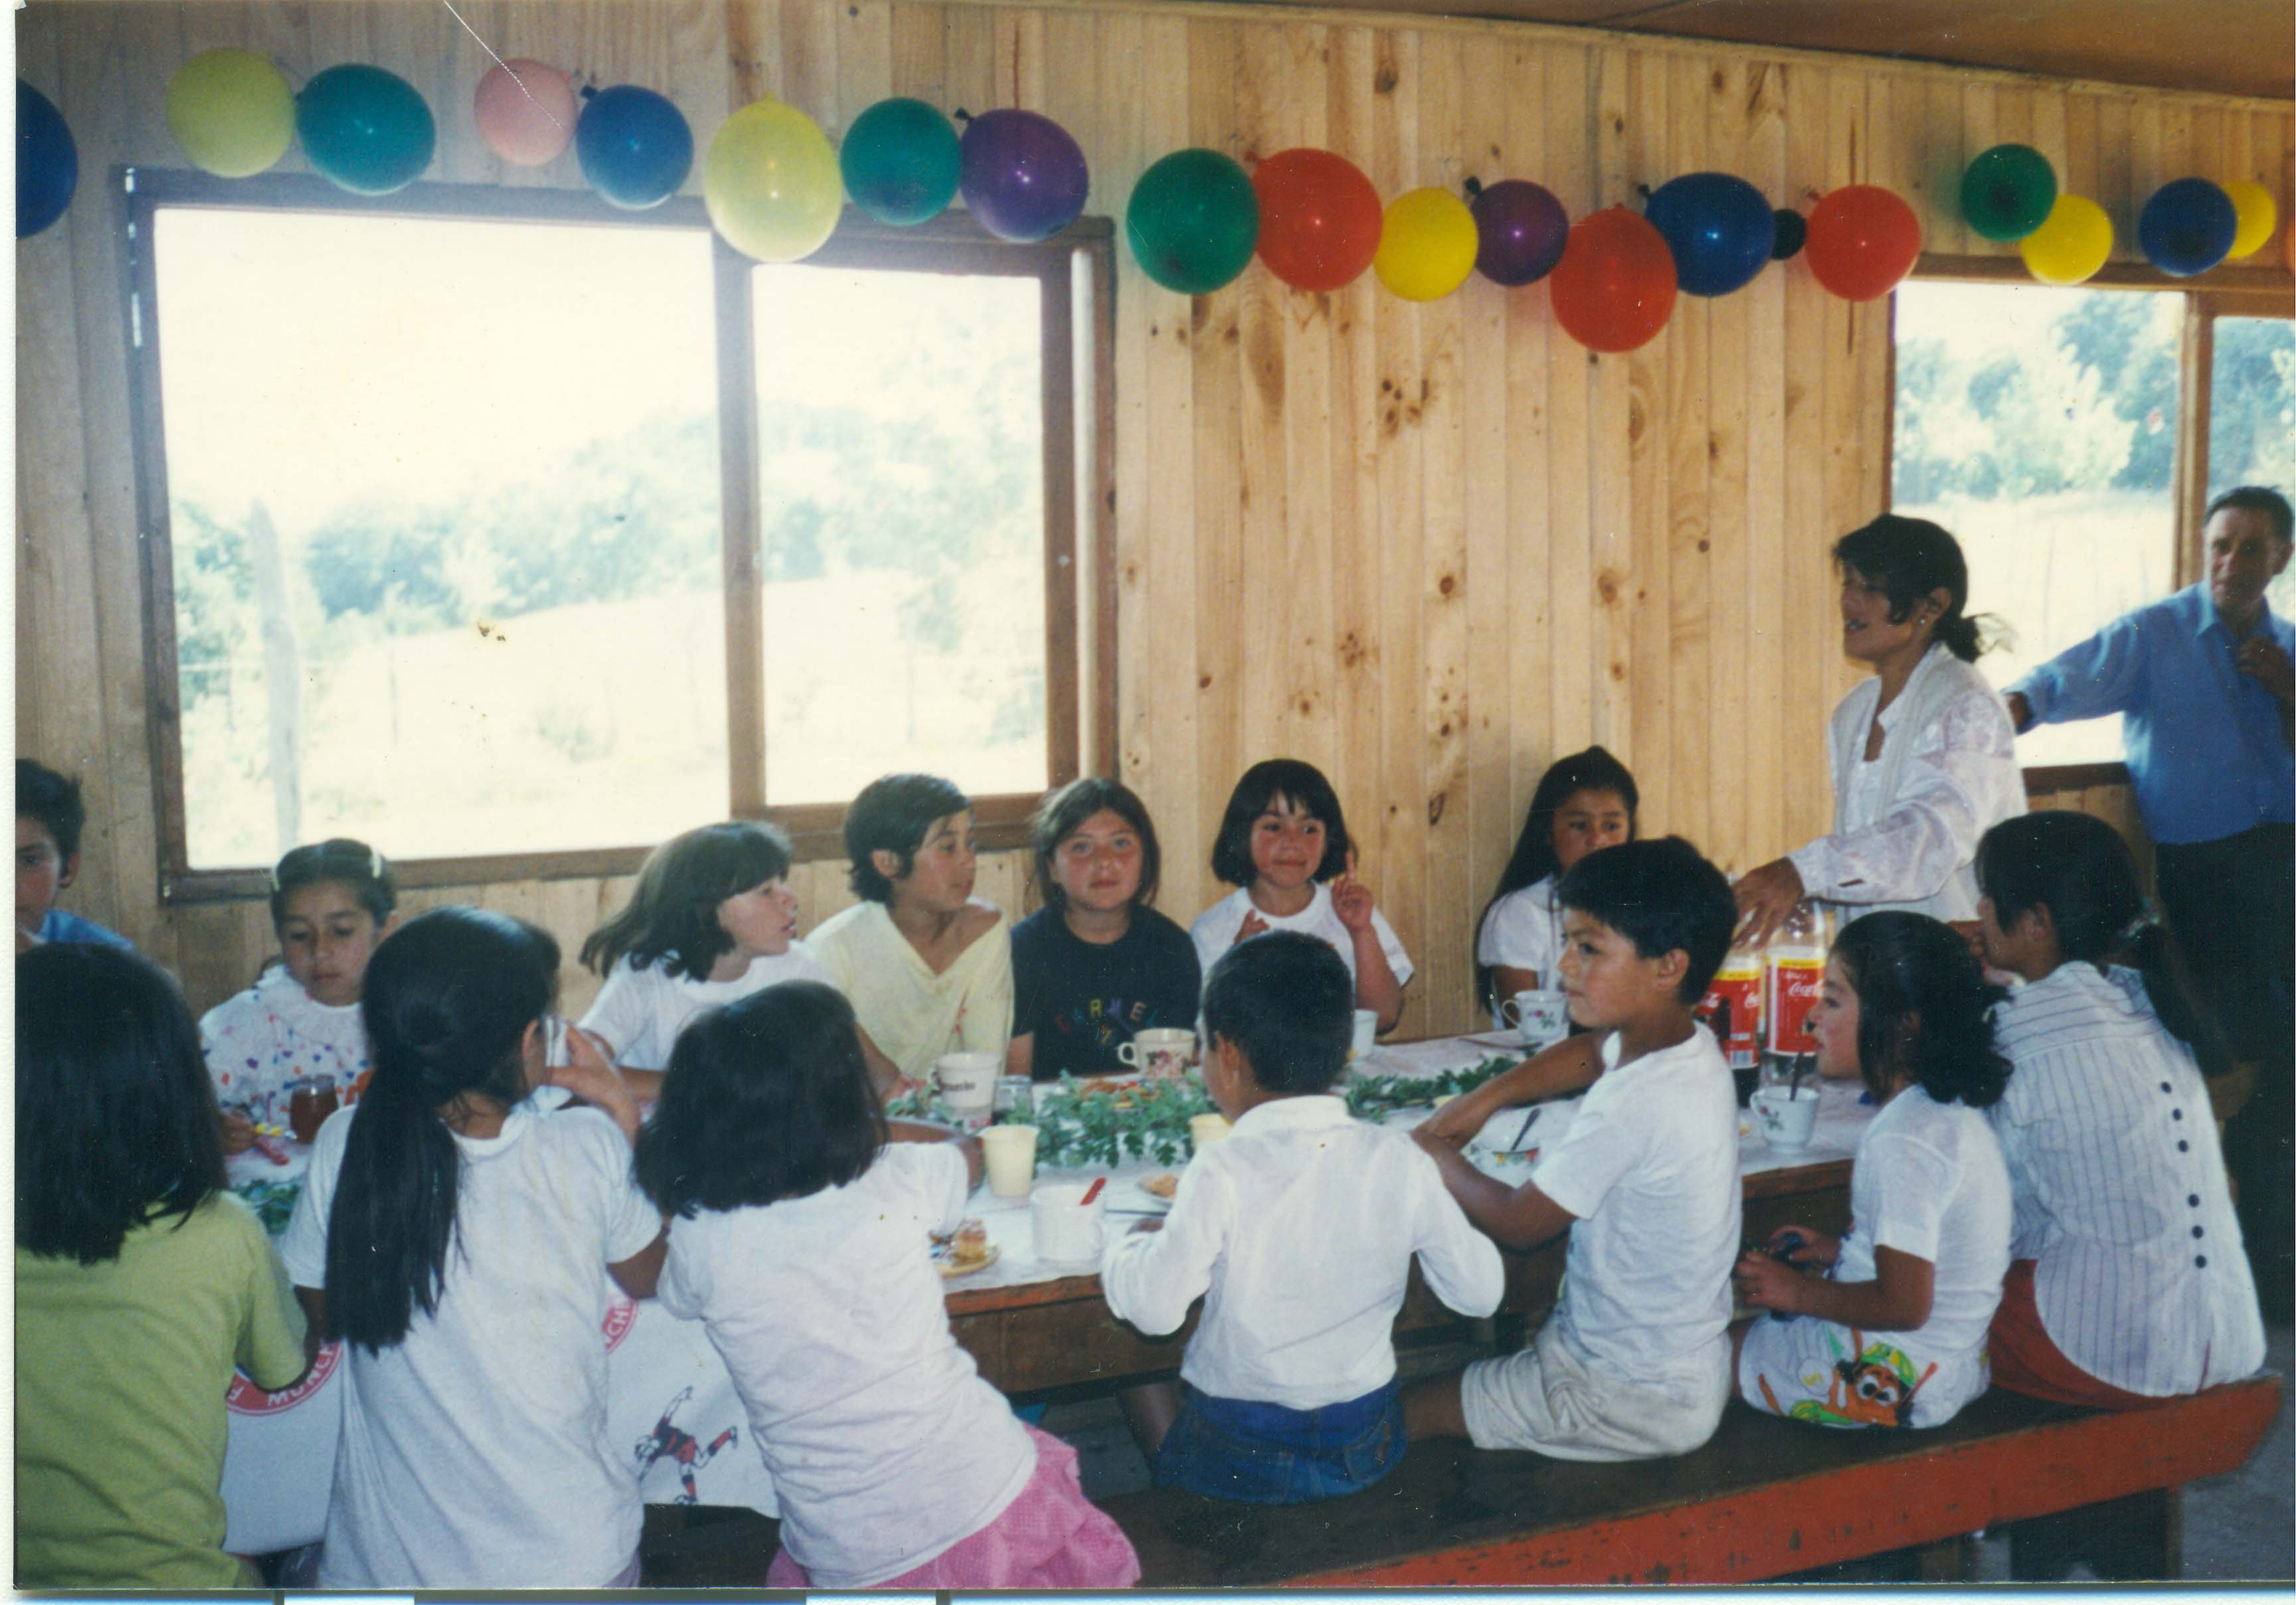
(774, 186)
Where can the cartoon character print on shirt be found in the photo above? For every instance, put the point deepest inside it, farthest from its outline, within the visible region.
(680, 1448)
(1873, 1385)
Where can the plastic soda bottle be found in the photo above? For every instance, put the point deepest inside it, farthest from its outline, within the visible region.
(1733, 1007)
(1794, 969)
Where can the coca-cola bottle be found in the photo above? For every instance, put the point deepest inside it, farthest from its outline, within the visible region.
(1794, 969)
(1732, 1011)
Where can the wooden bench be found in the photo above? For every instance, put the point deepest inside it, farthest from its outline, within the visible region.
(1764, 1498)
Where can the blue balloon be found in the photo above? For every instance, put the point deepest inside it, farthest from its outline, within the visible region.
(1719, 229)
(48, 162)
(366, 129)
(634, 146)
(2187, 227)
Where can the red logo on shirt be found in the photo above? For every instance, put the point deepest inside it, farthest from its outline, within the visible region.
(619, 1319)
(245, 1398)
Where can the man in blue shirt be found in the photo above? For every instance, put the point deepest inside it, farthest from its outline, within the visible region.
(2207, 692)
(49, 819)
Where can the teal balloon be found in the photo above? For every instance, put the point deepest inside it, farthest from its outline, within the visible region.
(367, 129)
(1193, 221)
(901, 161)
(2007, 192)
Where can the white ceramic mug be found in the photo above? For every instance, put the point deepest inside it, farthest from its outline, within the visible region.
(1787, 1118)
(1162, 1052)
(967, 1081)
(1540, 1016)
(1068, 1231)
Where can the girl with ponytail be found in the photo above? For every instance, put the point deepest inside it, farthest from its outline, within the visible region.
(460, 1242)
(2127, 1282)
(1923, 755)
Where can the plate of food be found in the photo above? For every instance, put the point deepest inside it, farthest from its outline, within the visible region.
(965, 1252)
(1157, 1191)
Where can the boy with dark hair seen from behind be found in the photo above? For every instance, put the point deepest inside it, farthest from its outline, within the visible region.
(1634, 1362)
(1298, 1230)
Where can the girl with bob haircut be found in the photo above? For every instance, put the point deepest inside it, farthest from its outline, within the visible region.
(460, 1241)
(1283, 844)
(332, 902)
(712, 919)
(799, 1240)
(1923, 755)
(928, 966)
(2128, 1283)
(1895, 1334)
(1095, 965)
(1584, 802)
(140, 1283)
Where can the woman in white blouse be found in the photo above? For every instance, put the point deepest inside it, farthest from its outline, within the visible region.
(1924, 757)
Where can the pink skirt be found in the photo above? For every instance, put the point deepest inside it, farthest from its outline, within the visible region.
(1050, 1536)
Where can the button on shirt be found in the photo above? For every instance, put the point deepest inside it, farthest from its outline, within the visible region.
(2120, 1188)
(2203, 741)
(1298, 1231)
(1650, 1166)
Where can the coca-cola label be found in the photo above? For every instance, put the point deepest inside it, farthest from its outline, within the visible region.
(1794, 986)
(1732, 1012)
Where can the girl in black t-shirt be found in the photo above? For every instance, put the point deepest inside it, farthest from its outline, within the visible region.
(1095, 965)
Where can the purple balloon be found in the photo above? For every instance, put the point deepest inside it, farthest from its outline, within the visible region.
(1024, 178)
(1520, 230)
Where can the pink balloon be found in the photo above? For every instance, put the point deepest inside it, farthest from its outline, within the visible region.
(525, 112)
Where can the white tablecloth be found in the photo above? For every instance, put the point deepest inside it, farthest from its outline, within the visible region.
(669, 1396)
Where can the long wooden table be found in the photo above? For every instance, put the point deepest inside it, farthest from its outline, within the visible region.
(1046, 1330)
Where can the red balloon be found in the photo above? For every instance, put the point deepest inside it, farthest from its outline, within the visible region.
(1320, 219)
(1863, 241)
(1614, 287)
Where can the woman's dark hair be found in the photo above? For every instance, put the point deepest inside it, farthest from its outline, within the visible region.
(354, 866)
(1304, 788)
(2077, 866)
(116, 1119)
(1903, 966)
(1906, 559)
(892, 814)
(765, 1099)
(448, 998)
(672, 914)
(1064, 811)
(1533, 860)
(55, 801)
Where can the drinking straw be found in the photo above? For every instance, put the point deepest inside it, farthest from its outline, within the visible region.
(1092, 1192)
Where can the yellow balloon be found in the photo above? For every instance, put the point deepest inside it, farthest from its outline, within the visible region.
(1426, 245)
(2254, 214)
(2071, 245)
(231, 112)
(771, 182)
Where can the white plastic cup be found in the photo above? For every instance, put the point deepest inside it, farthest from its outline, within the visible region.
(1541, 1017)
(1787, 1118)
(1204, 1130)
(1010, 1153)
(1160, 1053)
(1367, 1033)
(1068, 1231)
(967, 1081)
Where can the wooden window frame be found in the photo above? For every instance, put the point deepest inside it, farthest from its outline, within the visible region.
(1075, 270)
(2226, 291)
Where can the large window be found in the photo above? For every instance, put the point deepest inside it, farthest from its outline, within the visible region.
(2062, 435)
(515, 538)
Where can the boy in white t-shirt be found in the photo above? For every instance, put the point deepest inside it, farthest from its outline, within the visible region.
(1634, 1362)
(1298, 1231)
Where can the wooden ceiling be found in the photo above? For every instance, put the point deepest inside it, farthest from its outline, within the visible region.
(2221, 47)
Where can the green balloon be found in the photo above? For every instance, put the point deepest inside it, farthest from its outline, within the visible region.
(1193, 221)
(2007, 192)
(900, 161)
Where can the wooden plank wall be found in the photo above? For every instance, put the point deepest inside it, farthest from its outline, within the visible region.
(1427, 548)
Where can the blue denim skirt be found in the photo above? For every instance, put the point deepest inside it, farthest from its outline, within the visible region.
(1260, 1453)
